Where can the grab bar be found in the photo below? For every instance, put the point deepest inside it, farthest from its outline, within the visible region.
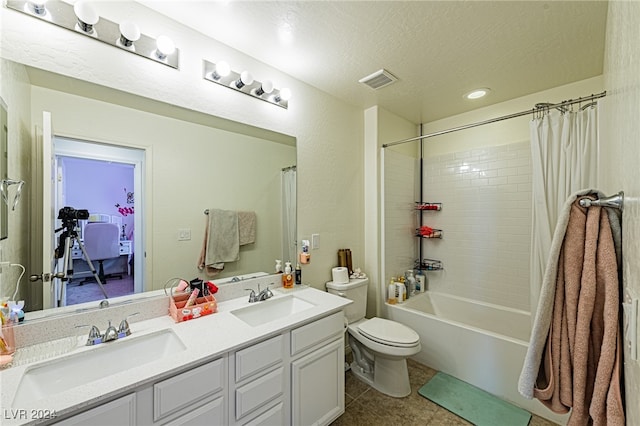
(616, 201)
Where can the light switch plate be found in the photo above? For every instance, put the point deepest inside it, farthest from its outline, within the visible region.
(184, 234)
(315, 241)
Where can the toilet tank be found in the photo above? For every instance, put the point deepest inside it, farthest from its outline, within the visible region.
(356, 290)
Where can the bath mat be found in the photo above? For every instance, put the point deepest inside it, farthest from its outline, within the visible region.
(472, 404)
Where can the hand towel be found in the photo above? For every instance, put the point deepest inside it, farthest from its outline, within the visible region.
(579, 368)
(221, 241)
(247, 227)
(237, 228)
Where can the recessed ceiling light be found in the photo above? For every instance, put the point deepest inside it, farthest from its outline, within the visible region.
(477, 93)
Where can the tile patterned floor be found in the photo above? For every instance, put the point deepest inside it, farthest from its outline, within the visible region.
(367, 407)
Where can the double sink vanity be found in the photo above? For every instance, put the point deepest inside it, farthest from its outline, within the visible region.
(278, 361)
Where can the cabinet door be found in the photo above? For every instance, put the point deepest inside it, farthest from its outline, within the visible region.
(317, 389)
(121, 412)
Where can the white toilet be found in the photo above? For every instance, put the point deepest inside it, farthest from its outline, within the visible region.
(380, 347)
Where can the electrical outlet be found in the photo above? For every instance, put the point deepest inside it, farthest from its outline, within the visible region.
(184, 234)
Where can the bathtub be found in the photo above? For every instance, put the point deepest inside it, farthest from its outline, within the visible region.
(479, 343)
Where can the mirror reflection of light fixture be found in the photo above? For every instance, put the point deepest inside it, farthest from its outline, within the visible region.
(164, 47)
(129, 34)
(265, 87)
(222, 69)
(37, 7)
(4, 189)
(245, 79)
(87, 16)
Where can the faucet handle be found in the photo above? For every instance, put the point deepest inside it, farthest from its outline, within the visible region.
(123, 328)
(94, 337)
(252, 295)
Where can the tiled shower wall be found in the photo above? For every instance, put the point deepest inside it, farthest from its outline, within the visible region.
(486, 223)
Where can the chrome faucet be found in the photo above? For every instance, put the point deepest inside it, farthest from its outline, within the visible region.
(110, 334)
(262, 295)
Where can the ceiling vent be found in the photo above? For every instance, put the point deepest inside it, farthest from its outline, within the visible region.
(379, 79)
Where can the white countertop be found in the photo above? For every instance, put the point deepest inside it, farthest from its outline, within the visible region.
(205, 338)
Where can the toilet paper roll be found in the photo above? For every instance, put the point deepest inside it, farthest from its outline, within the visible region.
(340, 275)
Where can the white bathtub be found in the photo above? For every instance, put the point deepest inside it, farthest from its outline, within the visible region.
(479, 343)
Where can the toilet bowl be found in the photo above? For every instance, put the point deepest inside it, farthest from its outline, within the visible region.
(380, 347)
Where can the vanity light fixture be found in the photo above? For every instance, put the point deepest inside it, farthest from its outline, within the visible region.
(87, 16)
(129, 34)
(221, 73)
(82, 18)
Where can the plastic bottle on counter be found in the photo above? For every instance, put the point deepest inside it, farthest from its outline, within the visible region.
(402, 292)
(421, 278)
(391, 293)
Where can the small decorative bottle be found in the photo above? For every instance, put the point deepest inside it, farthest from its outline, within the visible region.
(298, 275)
(278, 266)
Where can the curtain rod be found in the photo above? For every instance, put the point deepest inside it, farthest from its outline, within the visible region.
(538, 108)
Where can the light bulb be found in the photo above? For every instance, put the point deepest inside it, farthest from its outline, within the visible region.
(245, 79)
(222, 70)
(165, 46)
(129, 33)
(37, 7)
(285, 94)
(87, 15)
(266, 87)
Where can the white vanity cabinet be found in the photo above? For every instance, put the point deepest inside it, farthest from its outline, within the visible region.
(317, 371)
(295, 377)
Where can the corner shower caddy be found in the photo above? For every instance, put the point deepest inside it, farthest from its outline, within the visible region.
(421, 263)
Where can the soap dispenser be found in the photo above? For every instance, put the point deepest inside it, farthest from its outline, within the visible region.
(287, 277)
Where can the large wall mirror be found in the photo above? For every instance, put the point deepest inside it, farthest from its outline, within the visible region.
(4, 140)
(192, 162)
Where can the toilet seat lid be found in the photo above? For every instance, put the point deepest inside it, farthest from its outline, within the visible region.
(389, 332)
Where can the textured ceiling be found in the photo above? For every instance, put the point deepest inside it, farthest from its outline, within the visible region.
(437, 50)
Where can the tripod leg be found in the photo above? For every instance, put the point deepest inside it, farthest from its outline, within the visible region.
(93, 270)
(68, 272)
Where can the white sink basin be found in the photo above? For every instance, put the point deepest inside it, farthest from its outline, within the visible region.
(106, 359)
(259, 313)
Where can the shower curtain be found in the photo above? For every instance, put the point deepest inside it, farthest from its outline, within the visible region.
(289, 222)
(564, 160)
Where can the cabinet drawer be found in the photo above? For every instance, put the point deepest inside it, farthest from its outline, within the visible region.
(212, 413)
(258, 357)
(273, 416)
(121, 411)
(182, 390)
(258, 392)
(311, 334)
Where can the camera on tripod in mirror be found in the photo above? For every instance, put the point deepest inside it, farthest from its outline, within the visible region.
(69, 217)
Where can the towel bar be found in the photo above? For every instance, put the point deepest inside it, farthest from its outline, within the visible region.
(616, 201)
